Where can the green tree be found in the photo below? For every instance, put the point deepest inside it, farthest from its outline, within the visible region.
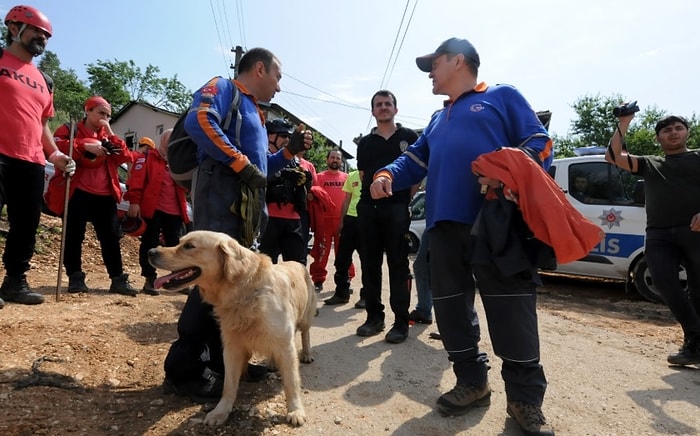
(123, 81)
(595, 125)
(69, 91)
(317, 154)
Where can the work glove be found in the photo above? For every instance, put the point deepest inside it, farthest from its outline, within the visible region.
(252, 176)
(295, 175)
(296, 142)
(60, 159)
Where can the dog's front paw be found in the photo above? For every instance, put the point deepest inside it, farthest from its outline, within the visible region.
(306, 357)
(215, 418)
(296, 417)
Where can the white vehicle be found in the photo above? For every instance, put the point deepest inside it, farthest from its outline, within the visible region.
(608, 196)
(417, 227)
(614, 199)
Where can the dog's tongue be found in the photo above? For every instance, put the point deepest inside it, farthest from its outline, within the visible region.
(160, 281)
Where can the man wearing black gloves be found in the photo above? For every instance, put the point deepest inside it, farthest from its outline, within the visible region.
(231, 166)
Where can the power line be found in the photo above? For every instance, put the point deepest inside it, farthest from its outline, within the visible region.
(218, 34)
(241, 23)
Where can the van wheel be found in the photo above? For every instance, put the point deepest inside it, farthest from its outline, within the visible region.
(413, 243)
(642, 281)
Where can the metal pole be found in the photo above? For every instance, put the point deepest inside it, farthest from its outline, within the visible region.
(65, 208)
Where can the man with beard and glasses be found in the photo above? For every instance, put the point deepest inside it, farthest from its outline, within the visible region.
(25, 142)
(326, 233)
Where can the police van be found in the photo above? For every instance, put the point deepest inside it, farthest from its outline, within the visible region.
(614, 199)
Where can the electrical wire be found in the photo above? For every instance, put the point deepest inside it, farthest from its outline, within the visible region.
(218, 34)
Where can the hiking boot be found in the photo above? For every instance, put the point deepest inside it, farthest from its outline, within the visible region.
(120, 285)
(530, 419)
(463, 398)
(418, 317)
(76, 282)
(148, 286)
(371, 327)
(336, 299)
(397, 334)
(17, 290)
(360, 304)
(689, 354)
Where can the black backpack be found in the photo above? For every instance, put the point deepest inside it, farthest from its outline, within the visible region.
(182, 150)
(47, 78)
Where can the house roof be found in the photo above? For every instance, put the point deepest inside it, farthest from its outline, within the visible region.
(133, 103)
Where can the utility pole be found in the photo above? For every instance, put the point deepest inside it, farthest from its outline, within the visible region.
(239, 54)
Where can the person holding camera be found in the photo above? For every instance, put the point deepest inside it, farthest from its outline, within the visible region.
(286, 200)
(477, 120)
(94, 194)
(672, 194)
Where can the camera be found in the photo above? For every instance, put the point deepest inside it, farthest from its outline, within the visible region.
(111, 148)
(626, 109)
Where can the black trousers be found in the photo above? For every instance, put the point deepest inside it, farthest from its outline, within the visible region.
(383, 230)
(509, 304)
(348, 243)
(21, 187)
(665, 249)
(284, 237)
(101, 211)
(171, 228)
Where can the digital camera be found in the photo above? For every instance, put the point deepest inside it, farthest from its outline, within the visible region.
(626, 109)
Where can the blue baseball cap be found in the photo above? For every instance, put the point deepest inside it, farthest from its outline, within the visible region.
(451, 46)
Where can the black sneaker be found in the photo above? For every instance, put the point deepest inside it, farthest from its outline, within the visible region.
(371, 327)
(530, 418)
(361, 304)
(76, 282)
(336, 299)
(462, 398)
(2, 303)
(120, 285)
(689, 354)
(201, 390)
(17, 290)
(397, 334)
(318, 286)
(416, 316)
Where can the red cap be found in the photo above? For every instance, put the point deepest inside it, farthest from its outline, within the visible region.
(95, 101)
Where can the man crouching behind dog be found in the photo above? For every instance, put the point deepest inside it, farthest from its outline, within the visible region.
(228, 184)
(259, 307)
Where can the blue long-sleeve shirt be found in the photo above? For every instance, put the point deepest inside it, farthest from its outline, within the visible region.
(479, 121)
(211, 103)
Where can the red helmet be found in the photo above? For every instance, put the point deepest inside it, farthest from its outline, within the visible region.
(29, 15)
(132, 226)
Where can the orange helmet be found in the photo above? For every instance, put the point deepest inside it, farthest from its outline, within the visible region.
(132, 226)
(29, 15)
(145, 140)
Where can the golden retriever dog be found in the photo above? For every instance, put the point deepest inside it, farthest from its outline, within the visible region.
(259, 306)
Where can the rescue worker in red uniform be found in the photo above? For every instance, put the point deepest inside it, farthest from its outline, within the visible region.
(154, 197)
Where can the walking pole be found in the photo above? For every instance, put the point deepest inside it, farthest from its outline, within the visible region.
(65, 209)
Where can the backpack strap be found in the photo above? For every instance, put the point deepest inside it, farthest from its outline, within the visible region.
(234, 112)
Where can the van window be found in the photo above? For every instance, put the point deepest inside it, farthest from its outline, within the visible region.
(603, 183)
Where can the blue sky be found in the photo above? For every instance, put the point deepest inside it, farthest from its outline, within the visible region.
(335, 54)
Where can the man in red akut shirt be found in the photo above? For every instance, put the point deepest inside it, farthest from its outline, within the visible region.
(94, 194)
(25, 143)
(332, 181)
(154, 197)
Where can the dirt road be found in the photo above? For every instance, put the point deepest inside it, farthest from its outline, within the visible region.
(91, 364)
